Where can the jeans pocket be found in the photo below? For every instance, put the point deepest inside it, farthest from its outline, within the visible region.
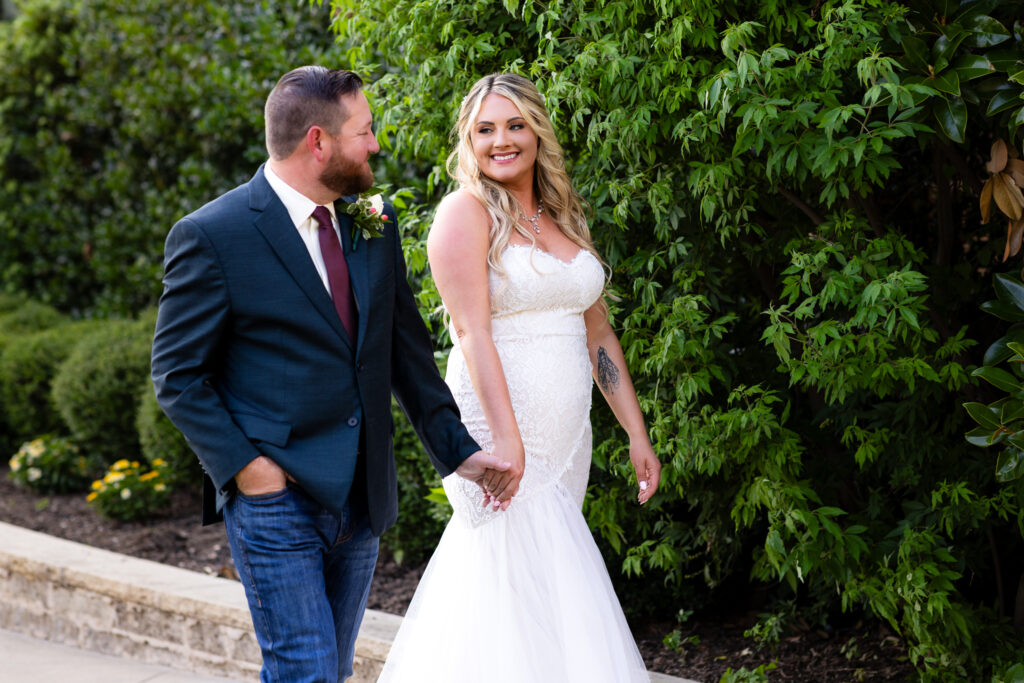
(258, 498)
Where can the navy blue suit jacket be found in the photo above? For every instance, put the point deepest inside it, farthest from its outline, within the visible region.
(250, 357)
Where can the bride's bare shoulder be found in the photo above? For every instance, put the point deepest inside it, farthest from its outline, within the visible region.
(462, 205)
(460, 222)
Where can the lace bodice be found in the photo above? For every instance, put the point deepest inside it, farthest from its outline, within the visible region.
(537, 326)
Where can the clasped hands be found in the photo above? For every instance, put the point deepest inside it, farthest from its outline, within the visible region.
(497, 478)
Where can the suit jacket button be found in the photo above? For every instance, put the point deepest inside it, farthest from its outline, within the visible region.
(353, 421)
(359, 367)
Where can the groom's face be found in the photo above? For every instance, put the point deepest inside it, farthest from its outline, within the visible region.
(348, 169)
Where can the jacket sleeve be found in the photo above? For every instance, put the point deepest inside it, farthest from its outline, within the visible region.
(191, 322)
(415, 381)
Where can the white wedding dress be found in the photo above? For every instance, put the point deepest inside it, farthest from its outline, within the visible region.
(523, 596)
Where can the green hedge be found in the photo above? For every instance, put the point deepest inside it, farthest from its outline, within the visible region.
(98, 387)
(420, 520)
(28, 317)
(159, 439)
(20, 316)
(27, 368)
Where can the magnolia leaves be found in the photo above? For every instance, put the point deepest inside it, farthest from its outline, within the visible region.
(1002, 422)
(1004, 186)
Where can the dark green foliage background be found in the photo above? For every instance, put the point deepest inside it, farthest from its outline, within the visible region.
(116, 119)
(787, 196)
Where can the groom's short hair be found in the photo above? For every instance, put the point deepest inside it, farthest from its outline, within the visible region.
(305, 97)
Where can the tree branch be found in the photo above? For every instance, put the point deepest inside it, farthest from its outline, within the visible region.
(800, 204)
(943, 212)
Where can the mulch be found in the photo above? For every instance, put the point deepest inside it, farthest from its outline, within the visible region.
(857, 653)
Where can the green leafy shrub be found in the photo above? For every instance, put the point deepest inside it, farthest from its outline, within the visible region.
(787, 196)
(30, 316)
(118, 117)
(9, 302)
(51, 464)
(1002, 421)
(18, 317)
(421, 520)
(160, 440)
(27, 368)
(97, 388)
(127, 492)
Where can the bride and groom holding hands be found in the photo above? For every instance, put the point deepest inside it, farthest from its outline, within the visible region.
(282, 334)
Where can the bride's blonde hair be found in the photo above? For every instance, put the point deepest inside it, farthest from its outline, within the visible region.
(551, 183)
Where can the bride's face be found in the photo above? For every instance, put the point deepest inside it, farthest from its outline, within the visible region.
(504, 144)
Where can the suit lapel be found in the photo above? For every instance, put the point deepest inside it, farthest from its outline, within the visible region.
(358, 272)
(276, 226)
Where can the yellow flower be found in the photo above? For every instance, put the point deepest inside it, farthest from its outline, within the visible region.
(113, 477)
(159, 487)
(120, 465)
(159, 462)
(15, 463)
(97, 485)
(135, 464)
(149, 475)
(92, 496)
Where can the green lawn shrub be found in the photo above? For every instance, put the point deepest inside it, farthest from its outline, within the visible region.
(98, 387)
(27, 368)
(159, 439)
(9, 302)
(28, 317)
(20, 316)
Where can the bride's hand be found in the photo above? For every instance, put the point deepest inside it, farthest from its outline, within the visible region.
(499, 487)
(647, 468)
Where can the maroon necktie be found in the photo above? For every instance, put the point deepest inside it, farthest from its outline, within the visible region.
(337, 271)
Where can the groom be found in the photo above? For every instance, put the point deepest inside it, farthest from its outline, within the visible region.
(278, 344)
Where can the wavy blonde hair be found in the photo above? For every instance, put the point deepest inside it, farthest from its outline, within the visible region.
(551, 183)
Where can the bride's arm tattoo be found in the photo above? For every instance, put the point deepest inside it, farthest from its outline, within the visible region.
(607, 373)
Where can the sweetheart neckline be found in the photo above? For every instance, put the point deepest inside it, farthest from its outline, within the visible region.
(570, 262)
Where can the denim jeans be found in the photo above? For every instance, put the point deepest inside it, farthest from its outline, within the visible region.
(307, 577)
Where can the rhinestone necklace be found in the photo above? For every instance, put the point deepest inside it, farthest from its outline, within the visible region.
(533, 220)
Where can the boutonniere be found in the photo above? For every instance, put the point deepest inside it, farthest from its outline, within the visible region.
(368, 217)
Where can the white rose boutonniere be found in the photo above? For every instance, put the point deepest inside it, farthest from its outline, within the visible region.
(368, 217)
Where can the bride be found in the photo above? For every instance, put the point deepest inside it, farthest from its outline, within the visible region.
(518, 592)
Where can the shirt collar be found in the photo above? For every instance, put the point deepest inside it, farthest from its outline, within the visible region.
(299, 206)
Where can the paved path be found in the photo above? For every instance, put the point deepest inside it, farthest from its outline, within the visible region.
(29, 660)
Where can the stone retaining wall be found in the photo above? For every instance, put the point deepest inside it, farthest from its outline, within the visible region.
(98, 600)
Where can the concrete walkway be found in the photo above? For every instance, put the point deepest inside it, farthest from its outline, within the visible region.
(30, 660)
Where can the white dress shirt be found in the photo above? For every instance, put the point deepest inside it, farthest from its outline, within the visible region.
(300, 209)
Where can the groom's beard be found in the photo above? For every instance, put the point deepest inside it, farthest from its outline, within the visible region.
(346, 177)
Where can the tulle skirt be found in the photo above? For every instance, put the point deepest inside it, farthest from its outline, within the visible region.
(524, 598)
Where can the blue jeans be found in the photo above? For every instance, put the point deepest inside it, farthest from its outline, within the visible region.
(307, 577)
